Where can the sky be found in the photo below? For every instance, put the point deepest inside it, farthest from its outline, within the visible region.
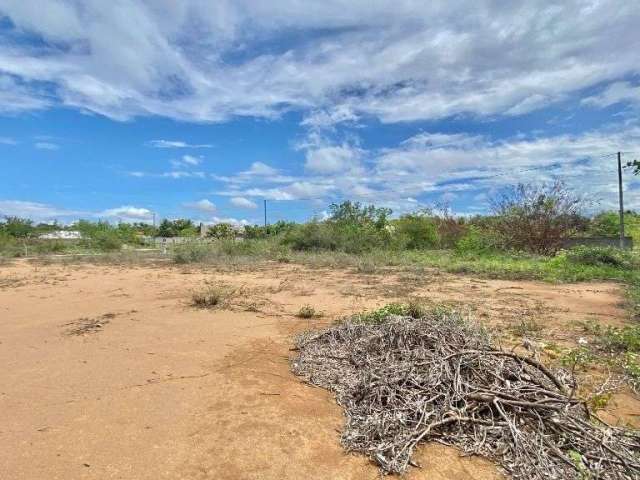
(132, 109)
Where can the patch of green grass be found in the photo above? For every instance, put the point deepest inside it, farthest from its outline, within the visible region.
(412, 309)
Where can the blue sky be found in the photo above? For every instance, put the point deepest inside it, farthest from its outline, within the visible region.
(205, 109)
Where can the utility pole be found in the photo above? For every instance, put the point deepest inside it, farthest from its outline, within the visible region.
(265, 212)
(154, 219)
(620, 198)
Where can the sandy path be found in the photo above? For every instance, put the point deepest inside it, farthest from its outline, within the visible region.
(165, 391)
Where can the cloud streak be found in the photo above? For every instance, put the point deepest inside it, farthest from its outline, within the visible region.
(400, 61)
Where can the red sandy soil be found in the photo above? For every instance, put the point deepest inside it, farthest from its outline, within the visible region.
(158, 389)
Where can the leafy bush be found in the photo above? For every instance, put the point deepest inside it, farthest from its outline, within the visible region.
(17, 227)
(191, 252)
(104, 240)
(177, 228)
(605, 224)
(311, 236)
(351, 228)
(475, 240)
(232, 247)
(537, 219)
(601, 256)
(417, 232)
(274, 229)
(354, 213)
(221, 230)
(9, 245)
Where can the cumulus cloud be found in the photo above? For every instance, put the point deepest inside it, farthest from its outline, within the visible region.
(261, 169)
(35, 210)
(397, 61)
(243, 202)
(443, 167)
(127, 213)
(204, 205)
(238, 222)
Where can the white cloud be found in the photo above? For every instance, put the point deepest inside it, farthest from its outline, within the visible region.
(127, 213)
(242, 202)
(455, 167)
(203, 205)
(187, 161)
(238, 222)
(191, 160)
(46, 146)
(325, 157)
(35, 211)
(398, 61)
(7, 141)
(174, 174)
(261, 169)
(615, 93)
(175, 144)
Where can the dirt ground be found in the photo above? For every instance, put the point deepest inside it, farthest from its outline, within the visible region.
(110, 373)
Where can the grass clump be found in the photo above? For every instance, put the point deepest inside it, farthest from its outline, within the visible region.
(307, 311)
(210, 297)
(527, 327)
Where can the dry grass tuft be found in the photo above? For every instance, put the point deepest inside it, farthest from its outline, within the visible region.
(210, 297)
(307, 311)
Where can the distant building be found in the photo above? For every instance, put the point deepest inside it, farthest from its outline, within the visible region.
(61, 235)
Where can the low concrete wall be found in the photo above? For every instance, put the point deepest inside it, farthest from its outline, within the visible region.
(598, 242)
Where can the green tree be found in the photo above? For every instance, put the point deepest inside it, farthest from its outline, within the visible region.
(221, 230)
(166, 229)
(354, 213)
(419, 231)
(537, 218)
(17, 227)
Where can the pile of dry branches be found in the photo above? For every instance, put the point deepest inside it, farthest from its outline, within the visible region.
(439, 378)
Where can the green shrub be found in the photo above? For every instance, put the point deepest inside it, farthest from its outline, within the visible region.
(234, 248)
(17, 227)
(104, 240)
(191, 252)
(600, 256)
(311, 236)
(9, 246)
(418, 232)
(222, 230)
(475, 240)
(379, 315)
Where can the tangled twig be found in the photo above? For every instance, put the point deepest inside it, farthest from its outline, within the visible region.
(404, 381)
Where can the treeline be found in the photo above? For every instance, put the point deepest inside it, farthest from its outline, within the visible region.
(524, 218)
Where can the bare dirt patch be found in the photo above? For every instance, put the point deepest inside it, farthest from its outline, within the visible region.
(169, 391)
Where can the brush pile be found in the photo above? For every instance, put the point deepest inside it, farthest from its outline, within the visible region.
(404, 380)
